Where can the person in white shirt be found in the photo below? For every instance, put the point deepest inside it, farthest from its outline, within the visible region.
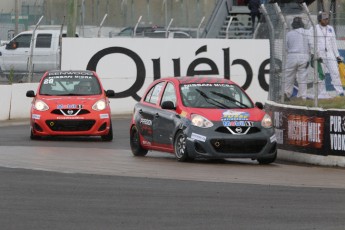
(328, 53)
(298, 49)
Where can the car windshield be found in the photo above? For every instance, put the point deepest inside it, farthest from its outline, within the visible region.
(208, 95)
(69, 84)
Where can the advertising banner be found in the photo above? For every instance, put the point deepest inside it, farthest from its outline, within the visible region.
(320, 132)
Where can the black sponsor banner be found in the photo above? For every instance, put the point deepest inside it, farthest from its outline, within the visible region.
(309, 131)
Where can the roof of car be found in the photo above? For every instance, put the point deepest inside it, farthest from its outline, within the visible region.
(203, 79)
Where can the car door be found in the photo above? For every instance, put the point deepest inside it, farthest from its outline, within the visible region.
(146, 114)
(165, 120)
(16, 54)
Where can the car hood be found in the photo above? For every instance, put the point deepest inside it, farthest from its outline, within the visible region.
(69, 101)
(252, 114)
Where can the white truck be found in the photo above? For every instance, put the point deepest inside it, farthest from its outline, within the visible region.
(45, 53)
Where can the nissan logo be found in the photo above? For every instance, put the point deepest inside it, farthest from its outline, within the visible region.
(70, 112)
(238, 129)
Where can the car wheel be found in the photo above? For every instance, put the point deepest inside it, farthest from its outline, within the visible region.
(269, 160)
(109, 136)
(33, 136)
(136, 148)
(180, 147)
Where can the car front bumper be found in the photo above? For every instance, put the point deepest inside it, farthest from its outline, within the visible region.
(93, 124)
(217, 143)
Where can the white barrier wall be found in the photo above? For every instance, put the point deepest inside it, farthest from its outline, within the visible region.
(5, 101)
(20, 104)
(129, 65)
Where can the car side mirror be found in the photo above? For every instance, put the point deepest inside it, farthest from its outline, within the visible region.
(30, 93)
(259, 105)
(168, 105)
(12, 45)
(110, 93)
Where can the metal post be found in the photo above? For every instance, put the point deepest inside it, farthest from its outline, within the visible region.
(72, 18)
(285, 28)
(16, 17)
(136, 26)
(227, 28)
(272, 83)
(168, 28)
(202, 20)
(60, 42)
(32, 50)
(100, 25)
(316, 77)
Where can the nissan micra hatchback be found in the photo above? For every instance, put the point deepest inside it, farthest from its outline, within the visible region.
(70, 103)
(201, 117)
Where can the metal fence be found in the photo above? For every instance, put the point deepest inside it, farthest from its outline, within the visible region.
(186, 14)
(277, 23)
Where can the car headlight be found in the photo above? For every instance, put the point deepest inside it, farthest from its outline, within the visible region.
(99, 105)
(200, 121)
(266, 121)
(41, 105)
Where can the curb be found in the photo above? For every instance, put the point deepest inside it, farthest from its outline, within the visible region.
(297, 157)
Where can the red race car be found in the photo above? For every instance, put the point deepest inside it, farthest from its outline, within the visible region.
(70, 103)
(202, 117)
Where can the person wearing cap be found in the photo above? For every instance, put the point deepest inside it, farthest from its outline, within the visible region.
(328, 54)
(298, 48)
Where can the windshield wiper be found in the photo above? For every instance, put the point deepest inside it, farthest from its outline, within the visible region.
(209, 100)
(230, 99)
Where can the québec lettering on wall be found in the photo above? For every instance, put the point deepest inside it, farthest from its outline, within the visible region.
(128, 65)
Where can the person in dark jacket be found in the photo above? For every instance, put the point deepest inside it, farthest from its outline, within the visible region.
(254, 7)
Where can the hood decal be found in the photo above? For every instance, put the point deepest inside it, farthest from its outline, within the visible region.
(236, 118)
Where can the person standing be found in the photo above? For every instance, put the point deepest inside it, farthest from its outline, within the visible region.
(254, 7)
(298, 48)
(328, 54)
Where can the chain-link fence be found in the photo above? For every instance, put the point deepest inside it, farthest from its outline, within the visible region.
(99, 18)
(295, 51)
(186, 15)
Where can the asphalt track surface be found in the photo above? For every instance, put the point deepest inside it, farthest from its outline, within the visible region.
(84, 183)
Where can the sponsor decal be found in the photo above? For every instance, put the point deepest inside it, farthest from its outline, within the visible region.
(278, 126)
(273, 138)
(144, 142)
(104, 116)
(279, 136)
(236, 118)
(145, 121)
(74, 73)
(238, 123)
(305, 131)
(36, 116)
(70, 118)
(198, 137)
(72, 106)
(337, 133)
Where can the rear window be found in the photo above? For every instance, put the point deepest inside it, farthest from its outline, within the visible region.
(43, 41)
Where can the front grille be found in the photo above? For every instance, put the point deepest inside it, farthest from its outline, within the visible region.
(223, 129)
(70, 125)
(70, 112)
(238, 146)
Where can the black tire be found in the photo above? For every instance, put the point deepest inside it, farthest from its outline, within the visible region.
(109, 136)
(134, 140)
(180, 147)
(33, 136)
(266, 161)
